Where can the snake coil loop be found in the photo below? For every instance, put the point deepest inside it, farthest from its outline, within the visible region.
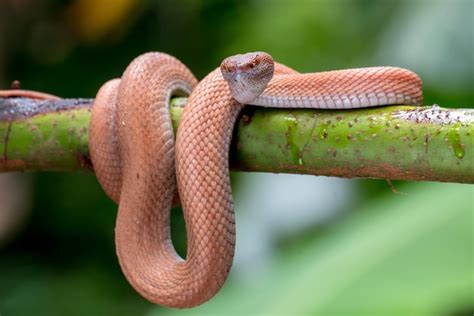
(133, 153)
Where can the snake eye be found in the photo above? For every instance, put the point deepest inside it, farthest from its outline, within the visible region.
(252, 65)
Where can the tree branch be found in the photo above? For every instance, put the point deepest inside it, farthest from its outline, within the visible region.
(397, 142)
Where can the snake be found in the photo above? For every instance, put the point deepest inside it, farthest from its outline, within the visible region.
(140, 165)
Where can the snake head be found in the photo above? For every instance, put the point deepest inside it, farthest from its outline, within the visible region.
(247, 74)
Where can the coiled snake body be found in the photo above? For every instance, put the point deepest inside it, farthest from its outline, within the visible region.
(133, 153)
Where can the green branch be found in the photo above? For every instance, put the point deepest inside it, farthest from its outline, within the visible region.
(396, 142)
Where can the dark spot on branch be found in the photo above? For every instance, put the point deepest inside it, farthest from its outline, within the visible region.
(85, 161)
(426, 142)
(247, 114)
(310, 136)
(5, 141)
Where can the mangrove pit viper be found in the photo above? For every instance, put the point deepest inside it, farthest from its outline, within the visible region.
(134, 155)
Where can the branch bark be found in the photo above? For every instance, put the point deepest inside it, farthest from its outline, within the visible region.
(397, 142)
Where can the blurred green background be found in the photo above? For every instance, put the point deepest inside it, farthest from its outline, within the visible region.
(306, 245)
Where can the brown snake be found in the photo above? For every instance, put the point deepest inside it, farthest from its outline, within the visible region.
(133, 153)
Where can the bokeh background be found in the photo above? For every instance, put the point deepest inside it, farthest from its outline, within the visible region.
(305, 245)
